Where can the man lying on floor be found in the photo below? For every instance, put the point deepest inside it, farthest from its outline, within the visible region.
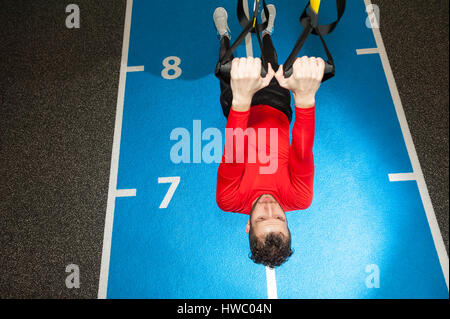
(261, 173)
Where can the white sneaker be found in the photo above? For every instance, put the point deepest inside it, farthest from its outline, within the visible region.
(272, 15)
(220, 20)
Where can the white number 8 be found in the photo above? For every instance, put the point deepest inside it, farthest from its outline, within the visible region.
(171, 66)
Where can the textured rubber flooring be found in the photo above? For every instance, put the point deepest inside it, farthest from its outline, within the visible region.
(58, 99)
(415, 34)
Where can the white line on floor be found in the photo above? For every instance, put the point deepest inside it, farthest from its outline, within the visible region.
(270, 273)
(107, 235)
(248, 37)
(401, 177)
(367, 51)
(429, 211)
(125, 192)
(271, 283)
(138, 68)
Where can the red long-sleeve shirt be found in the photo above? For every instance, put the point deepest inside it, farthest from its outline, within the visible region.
(239, 183)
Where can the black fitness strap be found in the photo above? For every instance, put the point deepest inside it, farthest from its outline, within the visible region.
(309, 20)
(249, 25)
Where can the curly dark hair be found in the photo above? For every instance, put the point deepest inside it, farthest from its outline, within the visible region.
(272, 250)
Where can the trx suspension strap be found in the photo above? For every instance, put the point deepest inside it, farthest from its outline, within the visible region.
(224, 65)
(309, 20)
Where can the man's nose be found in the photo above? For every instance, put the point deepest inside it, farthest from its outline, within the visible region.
(269, 209)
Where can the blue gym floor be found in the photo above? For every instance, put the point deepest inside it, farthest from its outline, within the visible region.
(360, 223)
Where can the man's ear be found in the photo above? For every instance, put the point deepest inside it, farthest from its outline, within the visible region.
(247, 228)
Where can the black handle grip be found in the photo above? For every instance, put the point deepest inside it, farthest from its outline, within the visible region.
(329, 68)
(225, 69)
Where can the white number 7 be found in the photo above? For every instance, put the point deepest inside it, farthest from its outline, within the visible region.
(175, 180)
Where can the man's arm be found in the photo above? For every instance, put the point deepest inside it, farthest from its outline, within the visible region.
(245, 81)
(301, 159)
(304, 83)
(232, 164)
(230, 169)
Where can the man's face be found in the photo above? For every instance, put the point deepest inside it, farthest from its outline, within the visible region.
(267, 216)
